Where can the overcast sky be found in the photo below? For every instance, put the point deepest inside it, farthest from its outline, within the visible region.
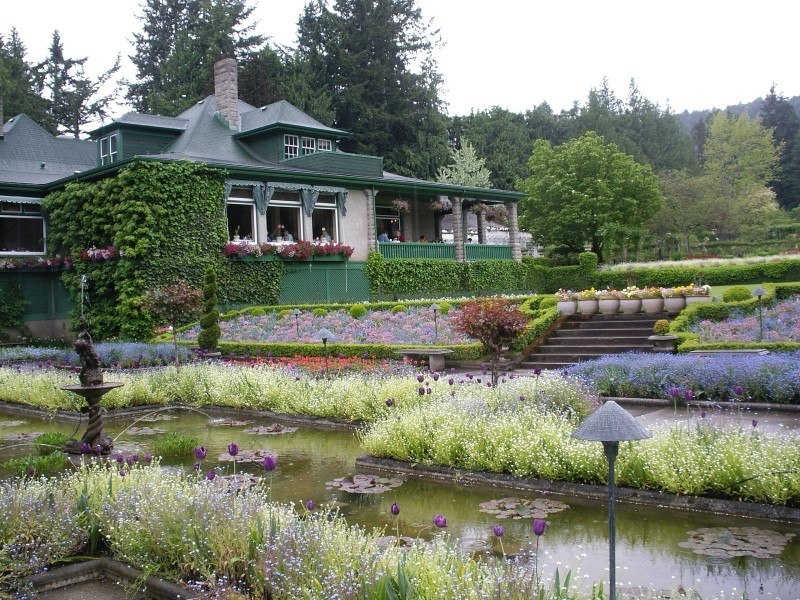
(516, 54)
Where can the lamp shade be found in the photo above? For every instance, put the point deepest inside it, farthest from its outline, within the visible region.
(295, 311)
(434, 307)
(759, 291)
(325, 336)
(610, 423)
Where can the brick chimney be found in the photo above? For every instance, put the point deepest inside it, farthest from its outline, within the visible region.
(226, 91)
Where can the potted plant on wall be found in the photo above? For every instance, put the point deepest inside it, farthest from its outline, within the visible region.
(566, 302)
(652, 300)
(608, 302)
(662, 339)
(587, 301)
(697, 293)
(674, 299)
(630, 302)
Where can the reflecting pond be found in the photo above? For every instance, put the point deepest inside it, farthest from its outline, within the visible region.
(718, 556)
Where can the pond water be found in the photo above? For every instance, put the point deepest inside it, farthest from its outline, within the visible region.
(649, 550)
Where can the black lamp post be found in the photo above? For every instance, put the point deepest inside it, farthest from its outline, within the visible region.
(758, 292)
(296, 314)
(435, 309)
(324, 335)
(611, 424)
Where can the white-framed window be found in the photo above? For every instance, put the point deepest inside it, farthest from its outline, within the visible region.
(21, 227)
(108, 149)
(324, 145)
(324, 221)
(309, 145)
(290, 146)
(284, 217)
(387, 219)
(241, 212)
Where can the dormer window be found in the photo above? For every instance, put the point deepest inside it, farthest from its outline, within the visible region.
(309, 145)
(324, 145)
(108, 149)
(291, 145)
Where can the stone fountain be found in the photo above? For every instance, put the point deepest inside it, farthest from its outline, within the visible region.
(92, 388)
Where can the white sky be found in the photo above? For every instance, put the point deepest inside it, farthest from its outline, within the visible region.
(516, 54)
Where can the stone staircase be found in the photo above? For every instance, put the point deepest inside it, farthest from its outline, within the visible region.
(585, 337)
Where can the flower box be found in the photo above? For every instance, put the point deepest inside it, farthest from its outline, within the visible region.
(329, 258)
(254, 258)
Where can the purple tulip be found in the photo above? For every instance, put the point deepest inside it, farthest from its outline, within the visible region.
(450, 381)
(120, 458)
(310, 505)
(97, 449)
(31, 471)
(395, 509)
(440, 521)
(702, 414)
(738, 390)
(148, 458)
(499, 530)
(420, 377)
(197, 466)
(85, 448)
(428, 390)
(537, 372)
(129, 461)
(522, 397)
(421, 391)
(755, 422)
(436, 376)
(200, 452)
(211, 475)
(688, 394)
(389, 402)
(122, 472)
(135, 458)
(270, 462)
(538, 526)
(233, 449)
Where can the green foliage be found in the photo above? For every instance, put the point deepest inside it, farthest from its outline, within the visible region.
(167, 221)
(444, 307)
(586, 190)
(12, 306)
(661, 327)
(208, 337)
(175, 445)
(548, 302)
(48, 464)
(250, 282)
(496, 276)
(320, 312)
(737, 293)
(261, 311)
(399, 308)
(358, 310)
(286, 312)
(50, 442)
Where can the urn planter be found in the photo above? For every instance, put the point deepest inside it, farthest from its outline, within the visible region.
(587, 307)
(630, 306)
(664, 343)
(652, 305)
(697, 299)
(674, 305)
(608, 306)
(566, 307)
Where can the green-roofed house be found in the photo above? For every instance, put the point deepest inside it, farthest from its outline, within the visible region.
(284, 176)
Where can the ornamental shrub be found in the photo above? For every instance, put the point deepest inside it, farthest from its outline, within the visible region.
(547, 302)
(737, 293)
(209, 320)
(661, 327)
(444, 307)
(398, 308)
(320, 312)
(357, 310)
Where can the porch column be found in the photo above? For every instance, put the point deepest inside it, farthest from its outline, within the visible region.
(481, 217)
(372, 237)
(458, 228)
(513, 231)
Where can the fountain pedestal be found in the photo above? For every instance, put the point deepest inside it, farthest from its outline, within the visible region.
(94, 435)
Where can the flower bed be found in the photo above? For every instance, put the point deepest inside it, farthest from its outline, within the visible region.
(301, 250)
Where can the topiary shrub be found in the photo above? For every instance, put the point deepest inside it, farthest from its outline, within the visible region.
(737, 293)
(444, 307)
(398, 308)
(284, 313)
(661, 327)
(320, 312)
(357, 310)
(208, 337)
(548, 302)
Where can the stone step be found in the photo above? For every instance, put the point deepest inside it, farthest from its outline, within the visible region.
(636, 332)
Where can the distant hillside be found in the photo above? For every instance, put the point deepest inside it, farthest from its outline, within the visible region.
(689, 119)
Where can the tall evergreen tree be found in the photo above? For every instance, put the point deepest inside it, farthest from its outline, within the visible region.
(361, 52)
(18, 84)
(73, 97)
(177, 33)
(779, 115)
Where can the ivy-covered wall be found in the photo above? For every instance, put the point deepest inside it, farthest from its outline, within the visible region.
(167, 221)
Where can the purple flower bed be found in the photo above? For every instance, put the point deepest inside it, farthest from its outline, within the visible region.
(414, 327)
(781, 323)
(751, 378)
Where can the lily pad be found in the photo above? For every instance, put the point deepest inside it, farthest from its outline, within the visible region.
(144, 430)
(227, 423)
(522, 508)
(11, 423)
(728, 542)
(237, 482)
(159, 417)
(246, 456)
(365, 484)
(28, 435)
(273, 429)
(389, 541)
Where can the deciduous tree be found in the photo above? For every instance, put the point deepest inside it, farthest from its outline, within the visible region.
(587, 191)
